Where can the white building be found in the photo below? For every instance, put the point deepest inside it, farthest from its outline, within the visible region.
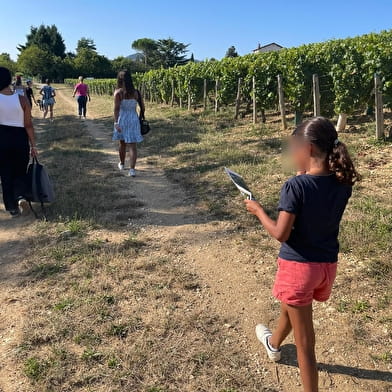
(272, 47)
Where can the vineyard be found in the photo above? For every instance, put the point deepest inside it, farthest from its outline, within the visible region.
(345, 70)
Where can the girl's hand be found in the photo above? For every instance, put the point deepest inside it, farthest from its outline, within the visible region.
(117, 126)
(253, 206)
(33, 152)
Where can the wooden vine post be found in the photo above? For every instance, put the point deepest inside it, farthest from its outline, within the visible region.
(254, 100)
(180, 94)
(189, 97)
(205, 94)
(172, 93)
(282, 106)
(238, 99)
(379, 107)
(216, 95)
(316, 96)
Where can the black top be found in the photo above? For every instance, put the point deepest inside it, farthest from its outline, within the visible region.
(29, 94)
(318, 203)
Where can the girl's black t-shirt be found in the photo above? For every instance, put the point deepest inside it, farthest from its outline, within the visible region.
(29, 94)
(318, 203)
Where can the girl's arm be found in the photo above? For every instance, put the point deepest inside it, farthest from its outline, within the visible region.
(117, 103)
(279, 229)
(53, 92)
(141, 104)
(32, 96)
(28, 124)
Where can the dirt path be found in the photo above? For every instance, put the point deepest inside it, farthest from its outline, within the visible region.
(14, 234)
(235, 285)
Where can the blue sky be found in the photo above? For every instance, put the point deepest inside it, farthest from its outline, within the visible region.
(209, 26)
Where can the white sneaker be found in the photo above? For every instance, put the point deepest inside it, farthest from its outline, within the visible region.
(24, 206)
(120, 166)
(263, 334)
(132, 173)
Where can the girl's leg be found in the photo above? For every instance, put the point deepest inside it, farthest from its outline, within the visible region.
(133, 153)
(46, 108)
(283, 328)
(51, 111)
(301, 318)
(122, 151)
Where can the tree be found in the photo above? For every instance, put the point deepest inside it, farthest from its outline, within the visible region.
(86, 43)
(231, 52)
(89, 63)
(171, 52)
(46, 38)
(192, 59)
(148, 47)
(7, 62)
(35, 61)
(132, 66)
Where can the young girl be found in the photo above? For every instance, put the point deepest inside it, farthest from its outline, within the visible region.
(48, 93)
(310, 209)
(126, 119)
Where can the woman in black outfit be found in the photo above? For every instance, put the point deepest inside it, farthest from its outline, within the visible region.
(17, 142)
(30, 93)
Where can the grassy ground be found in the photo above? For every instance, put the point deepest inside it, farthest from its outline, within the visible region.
(115, 310)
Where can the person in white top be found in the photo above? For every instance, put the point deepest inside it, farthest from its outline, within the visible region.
(18, 86)
(17, 142)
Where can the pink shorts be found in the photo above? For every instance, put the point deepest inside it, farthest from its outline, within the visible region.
(298, 284)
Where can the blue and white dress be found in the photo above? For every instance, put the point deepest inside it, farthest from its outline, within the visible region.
(129, 122)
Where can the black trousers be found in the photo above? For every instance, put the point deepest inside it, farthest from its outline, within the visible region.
(82, 104)
(14, 159)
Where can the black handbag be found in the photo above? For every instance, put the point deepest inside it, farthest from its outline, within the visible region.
(144, 126)
(40, 187)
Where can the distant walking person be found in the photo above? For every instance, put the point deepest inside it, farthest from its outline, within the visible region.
(48, 93)
(17, 141)
(18, 86)
(126, 119)
(82, 93)
(30, 93)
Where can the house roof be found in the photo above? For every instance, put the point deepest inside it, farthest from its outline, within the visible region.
(266, 46)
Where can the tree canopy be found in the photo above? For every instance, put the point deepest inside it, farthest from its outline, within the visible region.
(44, 55)
(148, 47)
(46, 38)
(86, 43)
(36, 62)
(172, 53)
(7, 62)
(231, 52)
(161, 53)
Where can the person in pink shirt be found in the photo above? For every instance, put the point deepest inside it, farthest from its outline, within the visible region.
(82, 94)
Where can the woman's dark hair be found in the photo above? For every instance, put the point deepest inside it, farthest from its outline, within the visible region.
(5, 77)
(47, 81)
(322, 133)
(125, 82)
